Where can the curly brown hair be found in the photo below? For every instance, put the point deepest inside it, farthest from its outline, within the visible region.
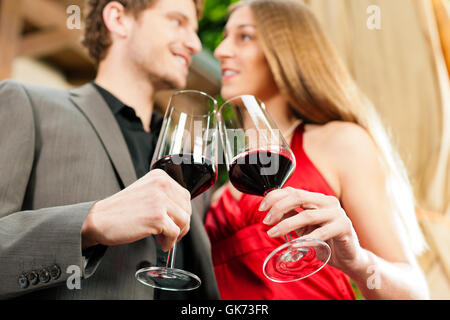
(96, 36)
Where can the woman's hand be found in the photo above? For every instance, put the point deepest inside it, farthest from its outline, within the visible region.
(322, 218)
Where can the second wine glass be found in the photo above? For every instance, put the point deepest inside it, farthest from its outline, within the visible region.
(259, 161)
(186, 151)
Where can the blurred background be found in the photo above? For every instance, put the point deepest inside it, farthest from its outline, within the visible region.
(402, 64)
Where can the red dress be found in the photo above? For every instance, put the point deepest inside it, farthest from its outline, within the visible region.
(240, 244)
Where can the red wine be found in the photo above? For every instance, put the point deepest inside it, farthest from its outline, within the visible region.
(258, 172)
(192, 174)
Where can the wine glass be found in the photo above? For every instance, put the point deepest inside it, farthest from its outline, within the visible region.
(259, 161)
(186, 151)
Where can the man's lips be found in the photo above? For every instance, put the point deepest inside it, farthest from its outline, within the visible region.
(184, 60)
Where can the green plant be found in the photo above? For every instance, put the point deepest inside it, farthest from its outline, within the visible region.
(211, 25)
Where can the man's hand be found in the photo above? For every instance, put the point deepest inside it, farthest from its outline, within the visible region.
(154, 205)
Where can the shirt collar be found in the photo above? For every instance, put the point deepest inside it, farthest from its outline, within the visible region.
(156, 123)
(116, 106)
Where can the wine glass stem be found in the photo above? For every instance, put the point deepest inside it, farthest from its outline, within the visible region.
(171, 257)
(288, 238)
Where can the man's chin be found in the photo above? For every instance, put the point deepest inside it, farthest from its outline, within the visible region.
(179, 84)
(160, 83)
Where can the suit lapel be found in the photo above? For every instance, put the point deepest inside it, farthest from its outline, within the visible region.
(95, 109)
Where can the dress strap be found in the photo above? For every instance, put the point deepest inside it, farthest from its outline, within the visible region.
(297, 139)
(301, 131)
(292, 128)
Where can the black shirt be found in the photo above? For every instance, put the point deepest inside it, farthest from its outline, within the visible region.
(141, 145)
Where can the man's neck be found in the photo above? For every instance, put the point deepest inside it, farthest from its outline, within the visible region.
(128, 87)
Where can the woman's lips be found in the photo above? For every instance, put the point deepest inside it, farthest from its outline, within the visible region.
(227, 74)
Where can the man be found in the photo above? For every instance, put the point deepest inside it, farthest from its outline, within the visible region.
(69, 161)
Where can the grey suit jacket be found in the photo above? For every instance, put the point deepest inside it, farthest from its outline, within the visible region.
(60, 151)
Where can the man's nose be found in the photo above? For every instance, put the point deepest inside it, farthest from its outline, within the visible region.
(194, 44)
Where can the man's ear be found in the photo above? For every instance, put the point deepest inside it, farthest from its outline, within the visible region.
(116, 19)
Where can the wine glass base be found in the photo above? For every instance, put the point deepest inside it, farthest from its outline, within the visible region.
(296, 260)
(168, 279)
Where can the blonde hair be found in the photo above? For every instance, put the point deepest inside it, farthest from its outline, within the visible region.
(320, 89)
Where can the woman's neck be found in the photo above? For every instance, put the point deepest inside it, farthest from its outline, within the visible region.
(281, 113)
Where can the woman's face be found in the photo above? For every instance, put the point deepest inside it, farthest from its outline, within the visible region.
(244, 66)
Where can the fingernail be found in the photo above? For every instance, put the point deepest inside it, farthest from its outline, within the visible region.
(273, 233)
(263, 206)
(267, 219)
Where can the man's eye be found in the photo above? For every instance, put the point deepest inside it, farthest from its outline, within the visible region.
(176, 22)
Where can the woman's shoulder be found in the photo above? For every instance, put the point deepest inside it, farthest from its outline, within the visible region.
(339, 132)
(339, 149)
(341, 138)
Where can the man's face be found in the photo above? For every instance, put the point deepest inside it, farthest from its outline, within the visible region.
(163, 41)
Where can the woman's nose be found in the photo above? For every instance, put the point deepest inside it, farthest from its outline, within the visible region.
(223, 50)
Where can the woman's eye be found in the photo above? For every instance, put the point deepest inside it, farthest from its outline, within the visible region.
(246, 37)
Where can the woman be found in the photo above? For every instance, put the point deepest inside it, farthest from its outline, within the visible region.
(349, 181)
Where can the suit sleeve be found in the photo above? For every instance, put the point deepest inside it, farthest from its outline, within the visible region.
(37, 247)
